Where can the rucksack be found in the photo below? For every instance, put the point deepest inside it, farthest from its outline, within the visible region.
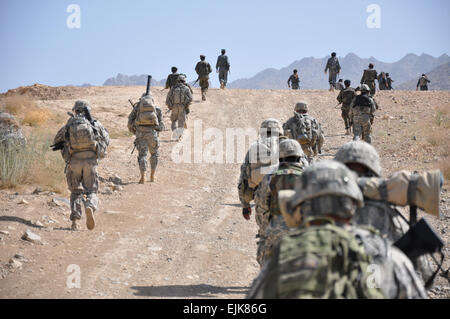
(305, 129)
(286, 177)
(323, 262)
(81, 135)
(260, 157)
(178, 96)
(146, 113)
(102, 140)
(363, 102)
(347, 96)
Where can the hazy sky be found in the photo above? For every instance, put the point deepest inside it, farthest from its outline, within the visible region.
(148, 37)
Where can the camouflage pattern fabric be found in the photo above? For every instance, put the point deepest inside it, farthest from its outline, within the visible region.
(147, 138)
(172, 80)
(346, 97)
(334, 68)
(203, 70)
(223, 66)
(223, 76)
(328, 261)
(82, 179)
(316, 262)
(361, 117)
(369, 77)
(295, 81)
(293, 128)
(266, 200)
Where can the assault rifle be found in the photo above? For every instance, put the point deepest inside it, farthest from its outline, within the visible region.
(60, 145)
(149, 80)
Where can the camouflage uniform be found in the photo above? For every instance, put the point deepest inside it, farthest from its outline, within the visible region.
(172, 79)
(309, 136)
(223, 66)
(147, 138)
(378, 214)
(334, 68)
(178, 100)
(258, 163)
(326, 257)
(266, 200)
(362, 111)
(346, 97)
(369, 77)
(423, 83)
(81, 166)
(295, 81)
(203, 70)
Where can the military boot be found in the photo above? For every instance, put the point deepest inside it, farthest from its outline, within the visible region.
(90, 221)
(152, 175)
(142, 180)
(75, 225)
(222, 85)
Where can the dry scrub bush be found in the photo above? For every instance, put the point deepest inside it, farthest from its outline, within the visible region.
(34, 163)
(36, 117)
(17, 104)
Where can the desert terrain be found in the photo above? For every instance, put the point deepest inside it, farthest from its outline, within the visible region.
(184, 236)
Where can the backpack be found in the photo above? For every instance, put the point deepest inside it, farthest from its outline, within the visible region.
(286, 177)
(102, 140)
(347, 96)
(305, 129)
(147, 112)
(323, 261)
(81, 135)
(178, 95)
(260, 157)
(364, 103)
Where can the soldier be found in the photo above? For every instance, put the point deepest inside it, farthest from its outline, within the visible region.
(334, 67)
(84, 142)
(172, 78)
(294, 79)
(145, 121)
(389, 82)
(361, 114)
(346, 97)
(203, 70)
(423, 83)
(306, 130)
(363, 159)
(292, 162)
(340, 85)
(261, 160)
(223, 67)
(326, 256)
(178, 100)
(369, 77)
(382, 81)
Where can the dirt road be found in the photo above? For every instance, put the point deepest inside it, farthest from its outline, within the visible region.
(182, 236)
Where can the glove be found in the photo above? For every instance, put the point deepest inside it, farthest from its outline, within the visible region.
(247, 212)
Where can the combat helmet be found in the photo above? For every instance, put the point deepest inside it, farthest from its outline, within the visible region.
(330, 180)
(365, 88)
(301, 107)
(81, 106)
(290, 148)
(271, 124)
(181, 78)
(362, 153)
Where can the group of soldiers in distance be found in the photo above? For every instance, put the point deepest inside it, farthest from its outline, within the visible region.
(322, 225)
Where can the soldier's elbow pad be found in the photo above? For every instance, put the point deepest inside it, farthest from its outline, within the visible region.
(403, 188)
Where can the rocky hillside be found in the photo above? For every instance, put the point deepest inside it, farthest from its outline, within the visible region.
(313, 77)
(133, 80)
